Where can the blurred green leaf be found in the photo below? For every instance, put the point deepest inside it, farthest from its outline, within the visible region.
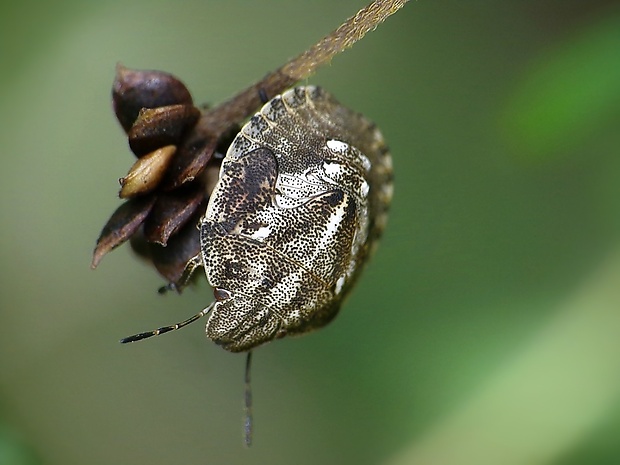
(570, 93)
(544, 402)
(13, 451)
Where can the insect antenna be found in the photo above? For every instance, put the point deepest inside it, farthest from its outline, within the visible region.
(165, 329)
(247, 421)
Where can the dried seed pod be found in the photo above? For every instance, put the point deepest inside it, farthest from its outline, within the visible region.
(147, 172)
(157, 127)
(171, 211)
(139, 245)
(123, 223)
(171, 261)
(191, 159)
(136, 89)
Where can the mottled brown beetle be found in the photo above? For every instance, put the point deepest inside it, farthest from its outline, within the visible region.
(302, 197)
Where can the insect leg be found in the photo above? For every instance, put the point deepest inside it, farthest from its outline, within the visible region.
(192, 265)
(165, 329)
(247, 421)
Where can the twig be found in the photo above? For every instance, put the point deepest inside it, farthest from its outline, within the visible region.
(241, 106)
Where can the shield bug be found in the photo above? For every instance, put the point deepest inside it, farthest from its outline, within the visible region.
(301, 200)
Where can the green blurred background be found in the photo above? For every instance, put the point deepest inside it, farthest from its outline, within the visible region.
(485, 330)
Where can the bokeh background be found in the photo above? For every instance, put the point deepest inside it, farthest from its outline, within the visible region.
(486, 329)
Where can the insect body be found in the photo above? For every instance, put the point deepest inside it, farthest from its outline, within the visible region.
(302, 196)
(301, 200)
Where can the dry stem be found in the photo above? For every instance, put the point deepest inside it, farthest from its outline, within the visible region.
(241, 106)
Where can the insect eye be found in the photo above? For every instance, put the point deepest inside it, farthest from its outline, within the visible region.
(221, 294)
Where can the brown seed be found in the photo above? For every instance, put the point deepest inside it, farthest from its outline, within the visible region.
(170, 261)
(191, 160)
(136, 89)
(172, 210)
(147, 172)
(123, 223)
(157, 127)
